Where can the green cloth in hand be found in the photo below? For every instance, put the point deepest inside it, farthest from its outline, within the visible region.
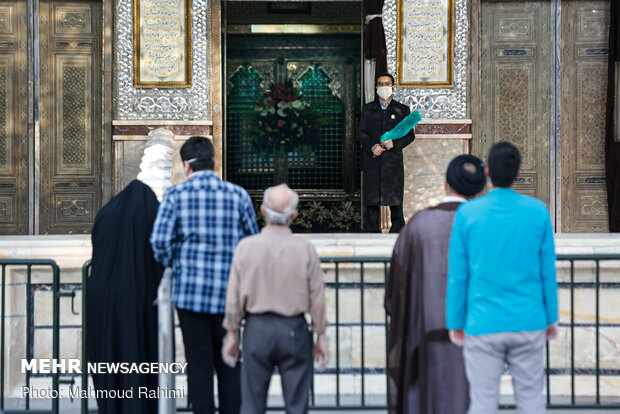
(403, 127)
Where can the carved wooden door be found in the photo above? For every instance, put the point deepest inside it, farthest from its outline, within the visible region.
(70, 127)
(543, 88)
(14, 136)
(515, 71)
(585, 36)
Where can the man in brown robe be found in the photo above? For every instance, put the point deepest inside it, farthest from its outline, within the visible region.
(425, 372)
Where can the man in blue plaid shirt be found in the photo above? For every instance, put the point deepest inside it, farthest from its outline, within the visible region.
(197, 228)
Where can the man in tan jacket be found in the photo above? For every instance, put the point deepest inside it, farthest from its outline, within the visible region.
(274, 280)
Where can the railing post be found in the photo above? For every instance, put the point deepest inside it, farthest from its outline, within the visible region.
(337, 293)
(2, 338)
(29, 326)
(598, 368)
(84, 376)
(55, 331)
(572, 332)
(363, 363)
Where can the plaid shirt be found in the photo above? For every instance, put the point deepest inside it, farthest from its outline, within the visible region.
(197, 228)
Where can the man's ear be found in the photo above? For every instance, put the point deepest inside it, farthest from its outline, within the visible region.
(486, 172)
(214, 163)
(187, 168)
(294, 215)
(262, 209)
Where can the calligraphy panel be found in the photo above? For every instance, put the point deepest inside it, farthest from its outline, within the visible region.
(162, 44)
(425, 47)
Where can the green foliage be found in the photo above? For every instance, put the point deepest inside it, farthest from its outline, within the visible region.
(316, 216)
(283, 121)
(322, 217)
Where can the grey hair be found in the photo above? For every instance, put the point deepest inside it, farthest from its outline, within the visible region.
(283, 217)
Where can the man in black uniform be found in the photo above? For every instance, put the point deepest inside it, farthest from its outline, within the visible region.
(383, 161)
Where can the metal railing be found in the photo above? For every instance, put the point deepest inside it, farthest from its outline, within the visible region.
(29, 315)
(354, 286)
(591, 282)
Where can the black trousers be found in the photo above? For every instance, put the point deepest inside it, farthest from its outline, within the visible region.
(202, 336)
(372, 219)
(270, 341)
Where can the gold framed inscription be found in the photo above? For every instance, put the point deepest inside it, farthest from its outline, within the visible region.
(425, 43)
(162, 37)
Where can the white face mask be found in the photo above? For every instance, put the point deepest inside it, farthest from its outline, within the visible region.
(384, 92)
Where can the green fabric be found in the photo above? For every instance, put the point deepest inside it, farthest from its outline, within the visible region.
(403, 127)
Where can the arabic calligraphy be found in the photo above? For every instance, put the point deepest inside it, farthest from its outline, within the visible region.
(425, 47)
(162, 40)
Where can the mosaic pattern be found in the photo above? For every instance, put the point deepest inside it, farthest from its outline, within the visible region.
(593, 27)
(132, 103)
(73, 114)
(74, 208)
(511, 119)
(592, 205)
(6, 18)
(5, 210)
(73, 20)
(3, 110)
(162, 104)
(515, 29)
(433, 103)
(592, 87)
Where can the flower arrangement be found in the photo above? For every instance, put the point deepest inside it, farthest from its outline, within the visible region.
(322, 217)
(283, 121)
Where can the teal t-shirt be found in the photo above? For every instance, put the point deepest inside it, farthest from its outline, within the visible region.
(501, 271)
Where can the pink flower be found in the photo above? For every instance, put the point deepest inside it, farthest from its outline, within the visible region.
(280, 123)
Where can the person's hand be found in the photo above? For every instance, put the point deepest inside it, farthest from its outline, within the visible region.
(230, 349)
(388, 145)
(552, 331)
(457, 336)
(377, 150)
(320, 351)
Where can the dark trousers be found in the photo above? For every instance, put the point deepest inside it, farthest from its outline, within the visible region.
(270, 341)
(202, 336)
(372, 219)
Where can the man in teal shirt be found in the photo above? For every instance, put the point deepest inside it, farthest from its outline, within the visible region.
(502, 291)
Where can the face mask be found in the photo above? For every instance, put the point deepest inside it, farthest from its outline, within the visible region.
(384, 92)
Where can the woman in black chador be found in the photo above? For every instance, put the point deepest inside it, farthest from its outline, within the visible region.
(121, 317)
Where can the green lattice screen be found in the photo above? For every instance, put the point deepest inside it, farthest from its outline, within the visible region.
(244, 167)
(322, 170)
